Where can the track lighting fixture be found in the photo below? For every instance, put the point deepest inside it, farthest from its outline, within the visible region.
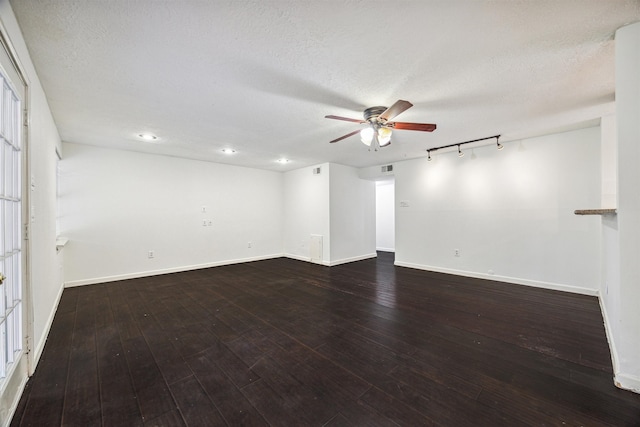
(459, 144)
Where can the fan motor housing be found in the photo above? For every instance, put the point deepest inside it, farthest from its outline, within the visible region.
(372, 113)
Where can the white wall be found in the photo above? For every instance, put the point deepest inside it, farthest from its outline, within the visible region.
(622, 248)
(43, 140)
(116, 206)
(306, 211)
(385, 216)
(335, 204)
(509, 212)
(46, 278)
(609, 291)
(352, 215)
(46, 282)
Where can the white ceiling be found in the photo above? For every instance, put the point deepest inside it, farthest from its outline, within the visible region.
(260, 75)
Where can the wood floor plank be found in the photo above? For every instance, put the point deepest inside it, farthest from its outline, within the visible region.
(142, 365)
(46, 398)
(394, 409)
(360, 414)
(338, 421)
(232, 404)
(169, 419)
(118, 397)
(271, 405)
(454, 403)
(238, 371)
(166, 356)
(288, 343)
(194, 404)
(250, 347)
(532, 409)
(303, 400)
(82, 395)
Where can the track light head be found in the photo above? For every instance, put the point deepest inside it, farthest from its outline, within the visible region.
(460, 153)
(428, 155)
(500, 146)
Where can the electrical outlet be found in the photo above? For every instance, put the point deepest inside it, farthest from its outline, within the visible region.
(209, 223)
(456, 252)
(151, 254)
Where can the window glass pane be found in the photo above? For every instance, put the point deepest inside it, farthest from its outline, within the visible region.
(10, 227)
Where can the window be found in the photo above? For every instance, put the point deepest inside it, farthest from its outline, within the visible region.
(10, 227)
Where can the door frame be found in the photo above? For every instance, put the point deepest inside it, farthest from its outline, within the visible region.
(27, 294)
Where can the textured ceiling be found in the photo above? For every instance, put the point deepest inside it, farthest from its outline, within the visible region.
(260, 75)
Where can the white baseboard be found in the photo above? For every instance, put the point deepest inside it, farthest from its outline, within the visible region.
(16, 402)
(386, 249)
(298, 257)
(505, 279)
(332, 263)
(621, 380)
(106, 279)
(609, 333)
(7, 413)
(627, 382)
(28, 361)
(352, 259)
(115, 278)
(39, 346)
(305, 259)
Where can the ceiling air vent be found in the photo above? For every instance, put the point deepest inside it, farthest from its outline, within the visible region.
(316, 171)
(387, 168)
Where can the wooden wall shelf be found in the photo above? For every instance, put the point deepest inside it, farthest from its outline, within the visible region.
(595, 212)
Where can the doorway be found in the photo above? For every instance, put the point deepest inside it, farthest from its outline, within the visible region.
(385, 215)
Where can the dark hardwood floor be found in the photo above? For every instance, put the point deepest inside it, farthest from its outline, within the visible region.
(287, 343)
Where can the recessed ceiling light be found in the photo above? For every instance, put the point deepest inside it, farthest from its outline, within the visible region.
(147, 136)
(228, 150)
(283, 161)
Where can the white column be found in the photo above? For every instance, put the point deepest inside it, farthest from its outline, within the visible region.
(625, 317)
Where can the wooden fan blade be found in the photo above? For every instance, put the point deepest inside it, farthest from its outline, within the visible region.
(345, 136)
(346, 119)
(424, 127)
(397, 108)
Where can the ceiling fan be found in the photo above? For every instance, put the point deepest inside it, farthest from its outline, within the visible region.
(378, 133)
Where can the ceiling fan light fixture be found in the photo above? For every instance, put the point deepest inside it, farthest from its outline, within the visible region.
(384, 136)
(366, 136)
